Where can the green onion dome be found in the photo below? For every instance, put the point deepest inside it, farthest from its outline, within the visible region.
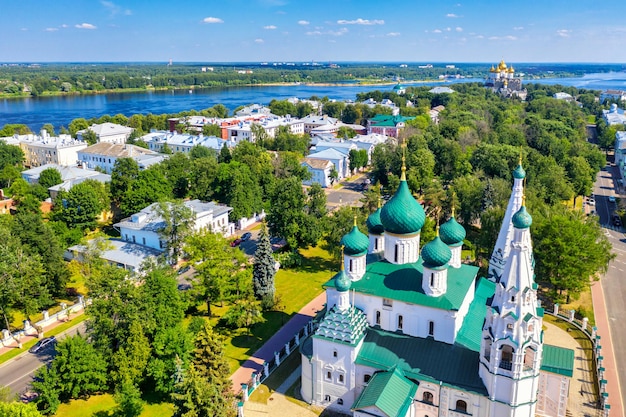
(374, 225)
(522, 219)
(355, 242)
(436, 253)
(402, 214)
(451, 232)
(519, 172)
(342, 281)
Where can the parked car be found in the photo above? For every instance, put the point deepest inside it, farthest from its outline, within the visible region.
(591, 201)
(246, 236)
(612, 199)
(43, 344)
(235, 242)
(616, 220)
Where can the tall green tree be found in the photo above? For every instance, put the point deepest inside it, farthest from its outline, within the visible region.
(179, 221)
(196, 397)
(263, 270)
(125, 172)
(570, 250)
(82, 205)
(15, 409)
(50, 177)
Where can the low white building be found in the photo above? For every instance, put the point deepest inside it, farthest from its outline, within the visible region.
(126, 255)
(319, 170)
(108, 132)
(143, 228)
(70, 176)
(614, 115)
(104, 155)
(312, 121)
(243, 130)
(338, 159)
(183, 142)
(619, 95)
(45, 149)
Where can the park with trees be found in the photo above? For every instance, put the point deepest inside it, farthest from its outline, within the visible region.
(144, 330)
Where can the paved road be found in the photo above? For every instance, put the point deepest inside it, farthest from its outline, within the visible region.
(17, 373)
(613, 283)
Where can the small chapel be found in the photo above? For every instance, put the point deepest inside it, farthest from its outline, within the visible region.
(412, 331)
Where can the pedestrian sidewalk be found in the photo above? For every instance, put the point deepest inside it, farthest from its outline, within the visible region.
(276, 342)
(14, 344)
(610, 374)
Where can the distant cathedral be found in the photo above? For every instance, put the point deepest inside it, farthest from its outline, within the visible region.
(503, 81)
(411, 331)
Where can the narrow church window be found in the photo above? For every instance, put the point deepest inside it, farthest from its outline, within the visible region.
(377, 318)
(512, 298)
(461, 406)
(431, 328)
(334, 353)
(395, 254)
(340, 378)
(329, 376)
(327, 398)
(529, 359)
(432, 279)
(400, 320)
(366, 378)
(509, 326)
(350, 265)
(506, 357)
(340, 401)
(427, 397)
(375, 244)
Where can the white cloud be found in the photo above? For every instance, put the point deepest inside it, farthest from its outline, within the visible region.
(437, 31)
(211, 19)
(303, 22)
(24, 29)
(393, 34)
(51, 29)
(458, 29)
(115, 9)
(269, 27)
(360, 21)
(448, 29)
(85, 26)
(64, 25)
(502, 38)
(518, 28)
(564, 33)
(339, 32)
(452, 15)
(259, 40)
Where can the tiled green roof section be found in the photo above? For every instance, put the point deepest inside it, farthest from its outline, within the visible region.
(557, 360)
(404, 283)
(470, 333)
(422, 359)
(388, 391)
(347, 326)
(388, 120)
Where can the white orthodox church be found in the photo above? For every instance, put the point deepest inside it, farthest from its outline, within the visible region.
(412, 331)
(502, 80)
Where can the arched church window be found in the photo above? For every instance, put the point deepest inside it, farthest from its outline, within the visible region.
(431, 328)
(334, 353)
(427, 397)
(400, 322)
(461, 406)
(529, 358)
(377, 320)
(350, 265)
(340, 401)
(506, 357)
(376, 244)
(432, 279)
(395, 253)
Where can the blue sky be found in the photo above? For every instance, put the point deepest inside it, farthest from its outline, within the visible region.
(317, 30)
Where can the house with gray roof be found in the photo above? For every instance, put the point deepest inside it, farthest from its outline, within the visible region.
(116, 252)
(104, 156)
(340, 160)
(320, 171)
(108, 132)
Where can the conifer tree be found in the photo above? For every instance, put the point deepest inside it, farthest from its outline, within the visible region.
(263, 270)
(208, 359)
(196, 397)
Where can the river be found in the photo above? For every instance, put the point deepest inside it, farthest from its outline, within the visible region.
(60, 110)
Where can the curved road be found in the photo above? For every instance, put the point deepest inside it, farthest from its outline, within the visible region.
(18, 372)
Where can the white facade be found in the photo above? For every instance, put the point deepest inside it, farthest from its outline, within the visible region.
(183, 142)
(243, 130)
(45, 149)
(339, 160)
(108, 132)
(143, 228)
(104, 156)
(319, 170)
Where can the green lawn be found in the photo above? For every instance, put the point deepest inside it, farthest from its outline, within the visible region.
(296, 288)
(103, 405)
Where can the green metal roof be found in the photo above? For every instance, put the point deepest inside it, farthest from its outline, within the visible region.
(355, 243)
(404, 283)
(436, 253)
(342, 281)
(374, 225)
(470, 333)
(347, 326)
(519, 172)
(451, 232)
(422, 359)
(522, 219)
(403, 214)
(388, 391)
(557, 360)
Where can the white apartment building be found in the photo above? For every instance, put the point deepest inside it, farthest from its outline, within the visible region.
(243, 130)
(45, 149)
(108, 132)
(104, 155)
(183, 142)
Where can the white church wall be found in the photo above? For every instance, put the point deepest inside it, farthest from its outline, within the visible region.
(306, 388)
(553, 395)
